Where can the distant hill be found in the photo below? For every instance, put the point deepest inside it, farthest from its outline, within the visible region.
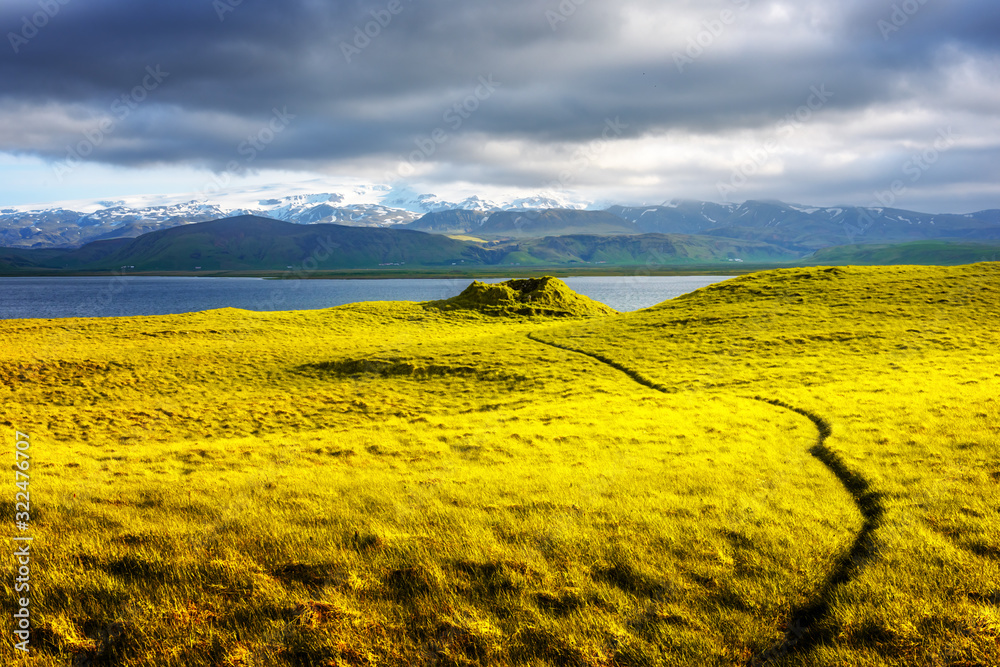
(63, 228)
(553, 222)
(941, 253)
(797, 228)
(644, 249)
(809, 228)
(251, 243)
(680, 217)
(523, 224)
(457, 221)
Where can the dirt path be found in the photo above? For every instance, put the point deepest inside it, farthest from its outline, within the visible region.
(805, 627)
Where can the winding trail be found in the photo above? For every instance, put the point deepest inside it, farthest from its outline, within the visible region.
(804, 627)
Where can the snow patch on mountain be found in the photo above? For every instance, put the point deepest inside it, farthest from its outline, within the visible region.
(347, 202)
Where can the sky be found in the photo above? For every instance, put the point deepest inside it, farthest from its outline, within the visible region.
(846, 102)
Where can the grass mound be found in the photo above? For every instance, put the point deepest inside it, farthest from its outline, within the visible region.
(546, 296)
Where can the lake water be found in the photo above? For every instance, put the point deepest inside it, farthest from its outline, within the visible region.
(140, 295)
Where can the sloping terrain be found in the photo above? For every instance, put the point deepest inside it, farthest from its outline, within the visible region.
(901, 364)
(456, 221)
(796, 467)
(916, 252)
(251, 243)
(642, 250)
(553, 222)
(809, 228)
(793, 227)
(59, 227)
(529, 296)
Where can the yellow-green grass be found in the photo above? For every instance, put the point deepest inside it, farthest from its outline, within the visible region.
(395, 484)
(466, 237)
(904, 363)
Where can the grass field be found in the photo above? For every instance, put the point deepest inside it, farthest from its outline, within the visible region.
(914, 252)
(796, 467)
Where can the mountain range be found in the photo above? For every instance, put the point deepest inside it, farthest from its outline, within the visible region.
(59, 227)
(71, 224)
(810, 228)
(796, 228)
(252, 243)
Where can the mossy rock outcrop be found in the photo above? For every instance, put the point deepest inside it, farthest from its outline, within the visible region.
(546, 296)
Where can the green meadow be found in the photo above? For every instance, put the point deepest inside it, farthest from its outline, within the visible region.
(794, 467)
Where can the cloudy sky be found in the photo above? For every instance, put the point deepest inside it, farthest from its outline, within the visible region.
(636, 101)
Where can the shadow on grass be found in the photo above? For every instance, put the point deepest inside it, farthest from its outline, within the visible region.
(805, 630)
(805, 627)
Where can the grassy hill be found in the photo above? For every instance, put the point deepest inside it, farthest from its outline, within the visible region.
(251, 243)
(795, 467)
(248, 242)
(456, 221)
(900, 364)
(551, 238)
(553, 222)
(13, 260)
(644, 249)
(810, 228)
(531, 296)
(917, 252)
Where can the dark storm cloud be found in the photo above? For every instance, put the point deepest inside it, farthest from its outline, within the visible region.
(562, 68)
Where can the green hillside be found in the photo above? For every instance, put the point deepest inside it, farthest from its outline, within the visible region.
(811, 228)
(259, 244)
(553, 222)
(794, 468)
(918, 252)
(254, 244)
(444, 222)
(546, 296)
(645, 249)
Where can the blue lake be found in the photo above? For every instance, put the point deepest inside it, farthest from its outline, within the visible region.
(140, 295)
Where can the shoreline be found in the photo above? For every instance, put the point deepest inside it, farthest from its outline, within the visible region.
(428, 273)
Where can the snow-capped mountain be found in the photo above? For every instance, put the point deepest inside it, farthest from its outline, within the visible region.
(63, 227)
(408, 199)
(808, 227)
(68, 224)
(357, 204)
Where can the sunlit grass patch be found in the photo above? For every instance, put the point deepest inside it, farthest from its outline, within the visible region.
(393, 484)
